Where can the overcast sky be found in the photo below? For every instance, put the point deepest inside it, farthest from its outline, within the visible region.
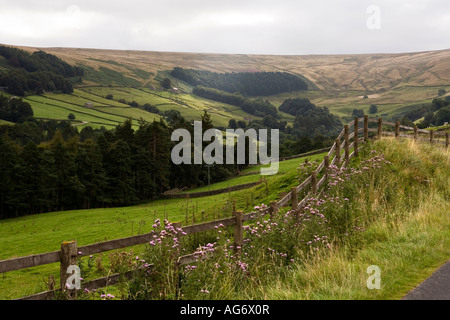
(230, 26)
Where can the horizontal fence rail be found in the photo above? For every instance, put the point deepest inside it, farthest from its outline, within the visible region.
(338, 155)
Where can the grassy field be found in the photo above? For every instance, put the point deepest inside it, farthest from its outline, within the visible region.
(191, 107)
(58, 106)
(252, 174)
(98, 99)
(45, 232)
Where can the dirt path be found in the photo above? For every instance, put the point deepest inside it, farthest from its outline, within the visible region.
(80, 124)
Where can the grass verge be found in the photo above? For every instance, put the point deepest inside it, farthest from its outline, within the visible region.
(407, 243)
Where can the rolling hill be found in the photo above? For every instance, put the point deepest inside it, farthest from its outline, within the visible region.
(396, 83)
(360, 72)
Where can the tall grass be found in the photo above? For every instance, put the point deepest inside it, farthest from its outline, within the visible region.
(406, 212)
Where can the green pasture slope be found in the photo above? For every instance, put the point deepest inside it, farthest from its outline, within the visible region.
(45, 232)
(190, 106)
(2, 122)
(111, 112)
(58, 106)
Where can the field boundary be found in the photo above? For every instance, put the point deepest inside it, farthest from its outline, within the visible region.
(339, 155)
(201, 194)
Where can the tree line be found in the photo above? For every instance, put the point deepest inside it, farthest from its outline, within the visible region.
(311, 120)
(245, 83)
(434, 114)
(257, 107)
(313, 128)
(36, 72)
(50, 166)
(14, 110)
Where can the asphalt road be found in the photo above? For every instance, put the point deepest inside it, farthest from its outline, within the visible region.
(436, 287)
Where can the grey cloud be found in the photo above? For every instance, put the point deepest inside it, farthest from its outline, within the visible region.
(280, 27)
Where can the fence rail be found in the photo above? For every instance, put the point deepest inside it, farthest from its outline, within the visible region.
(339, 155)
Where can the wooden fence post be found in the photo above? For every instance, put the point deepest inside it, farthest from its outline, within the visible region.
(415, 132)
(69, 255)
(366, 128)
(238, 232)
(380, 128)
(355, 139)
(397, 129)
(314, 182)
(431, 136)
(446, 140)
(294, 199)
(273, 209)
(346, 145)
(338, 152)
(326, 161)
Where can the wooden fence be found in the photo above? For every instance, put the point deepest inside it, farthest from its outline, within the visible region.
(345, 147)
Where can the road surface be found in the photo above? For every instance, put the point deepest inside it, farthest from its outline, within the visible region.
(436, 287)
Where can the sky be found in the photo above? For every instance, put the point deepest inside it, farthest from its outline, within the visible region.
(280, 27)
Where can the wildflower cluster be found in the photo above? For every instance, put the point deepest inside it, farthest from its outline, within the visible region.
(95, 294)
(339, 202)
(305, 169)
(155, 277)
